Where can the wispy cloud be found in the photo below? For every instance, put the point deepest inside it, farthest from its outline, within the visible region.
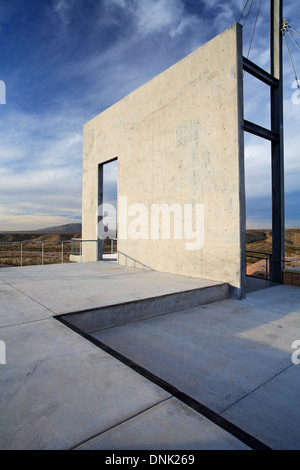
(65, 61)
(164, 15)
(40, 171)
(63, 9)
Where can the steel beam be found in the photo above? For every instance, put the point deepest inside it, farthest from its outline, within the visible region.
(260, 131)
(259, 73)
(100, 216)
(278, 222)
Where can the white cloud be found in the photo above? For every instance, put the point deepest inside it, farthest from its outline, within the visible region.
(158, 16)
(40, 172)
(257, 168)
(63, 9)
(41, 150)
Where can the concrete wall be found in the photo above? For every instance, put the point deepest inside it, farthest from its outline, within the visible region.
(179, 140)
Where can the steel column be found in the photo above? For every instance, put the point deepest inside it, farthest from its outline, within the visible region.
(278, 223)
(100, 215)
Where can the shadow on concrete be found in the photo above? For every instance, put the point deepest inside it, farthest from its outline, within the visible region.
(254, 284)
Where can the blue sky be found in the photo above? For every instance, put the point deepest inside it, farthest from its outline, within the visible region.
(65, 61)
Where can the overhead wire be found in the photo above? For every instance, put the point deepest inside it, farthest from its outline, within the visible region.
(255, 23)
(291, 60)
(245, 19)
(243, 11)
(294, 30)
(248, 12)
(293, 39)
(285, 29)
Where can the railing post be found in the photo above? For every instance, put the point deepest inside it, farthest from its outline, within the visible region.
(21, 254)
(42, 254)
(62, 252)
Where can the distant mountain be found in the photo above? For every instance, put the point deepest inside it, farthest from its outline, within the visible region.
(68, 228)
(71, 228)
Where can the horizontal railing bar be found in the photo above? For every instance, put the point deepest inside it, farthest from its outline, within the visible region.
(33, 242)
(105, 239)
(269, 259)
(259, 252)
(80, 240)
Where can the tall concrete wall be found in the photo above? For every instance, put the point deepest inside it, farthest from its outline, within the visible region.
(178, 140)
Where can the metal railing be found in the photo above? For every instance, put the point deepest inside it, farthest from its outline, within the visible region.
(77, 243)
(267, 257)
(32, 252)
(18, 255)
(76, 246)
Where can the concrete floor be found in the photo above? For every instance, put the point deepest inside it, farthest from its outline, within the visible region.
(216, 376)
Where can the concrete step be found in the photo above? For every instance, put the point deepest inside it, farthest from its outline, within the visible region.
(97, 319)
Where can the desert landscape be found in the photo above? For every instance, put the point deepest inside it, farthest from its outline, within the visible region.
(47, 246)
(261, 241)
(50, 241)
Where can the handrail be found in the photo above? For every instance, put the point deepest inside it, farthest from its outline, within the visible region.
(79, 242)
(76, 248)
(36, 242)
(268, 258)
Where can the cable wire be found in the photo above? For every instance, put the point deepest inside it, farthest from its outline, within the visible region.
(293, 39)
(248, 12)
(243, 11)
(294, 30)
(254, 28)
(292, 63)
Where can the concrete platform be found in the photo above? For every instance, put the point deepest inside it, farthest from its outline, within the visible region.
(65, 288)
(215, 376)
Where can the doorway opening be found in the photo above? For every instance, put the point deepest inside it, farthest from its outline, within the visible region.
(107, 210)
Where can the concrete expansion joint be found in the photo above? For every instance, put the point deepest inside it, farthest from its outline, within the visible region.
(256, 388)
(24, 323)
(27, 378)
(120, 423)
(29, 297)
